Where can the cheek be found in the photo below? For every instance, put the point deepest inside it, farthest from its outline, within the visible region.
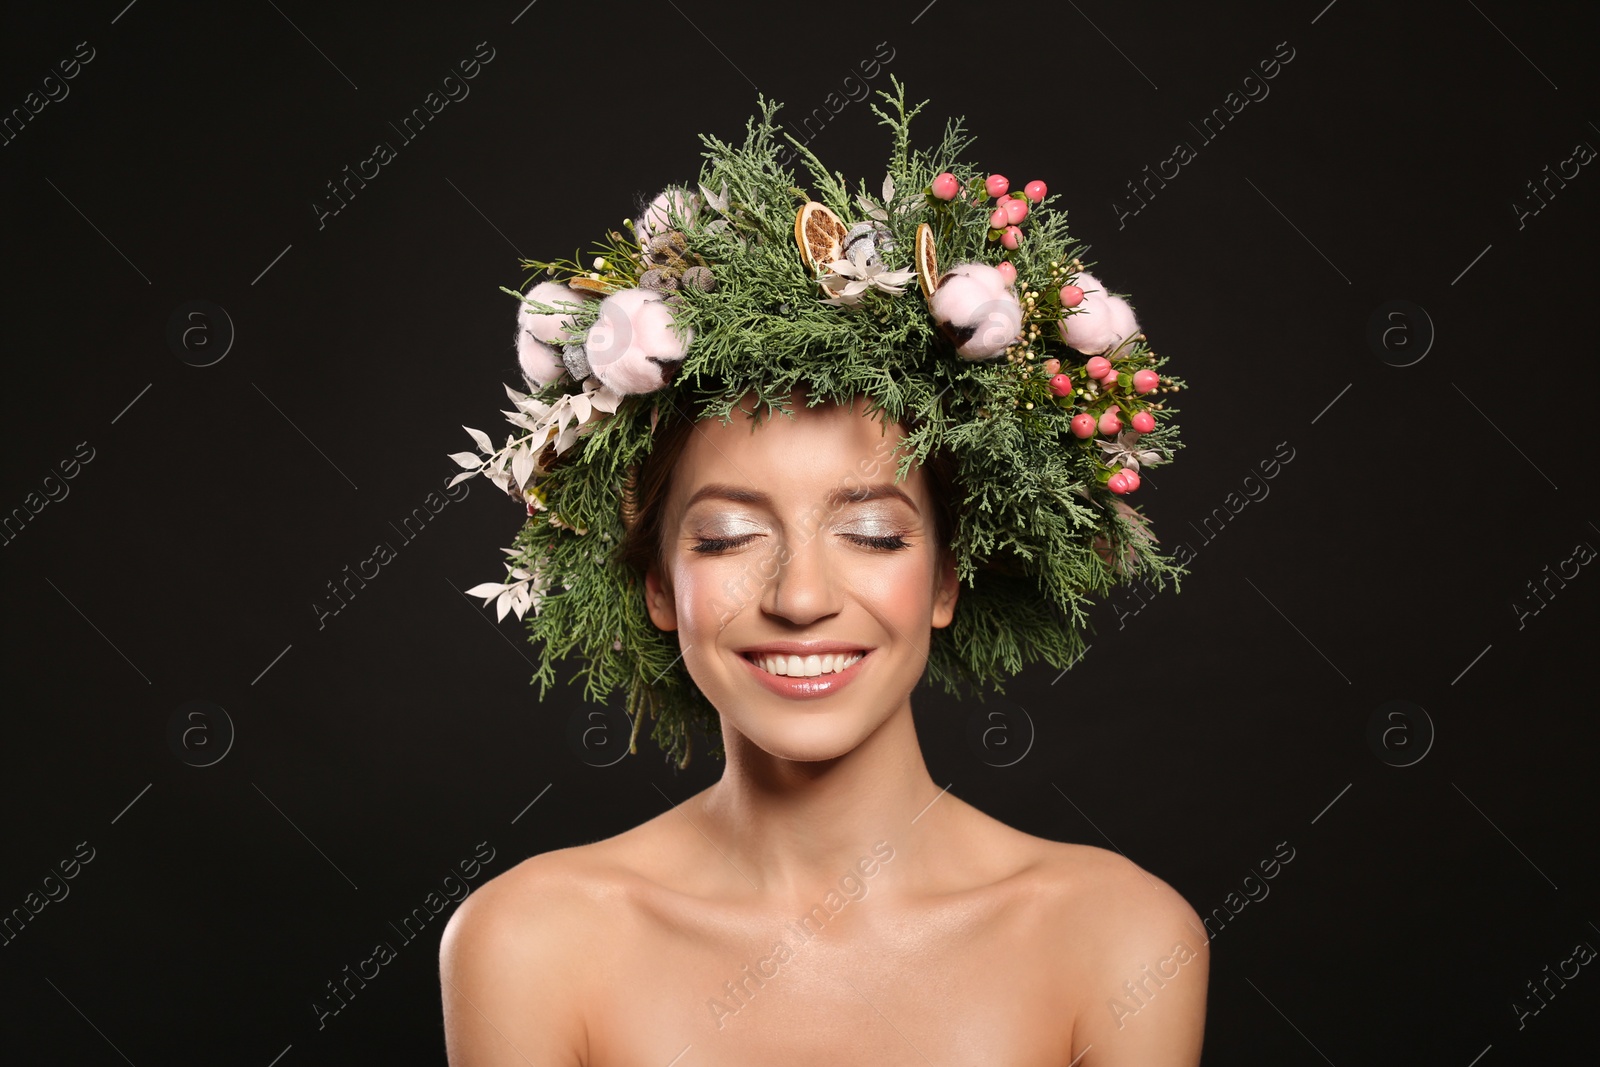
(898, 586)
(708, 592)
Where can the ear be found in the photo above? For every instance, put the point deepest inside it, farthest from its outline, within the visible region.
(945, 591)
(658, 600)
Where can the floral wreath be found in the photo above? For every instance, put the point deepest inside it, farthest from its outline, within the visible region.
(1016, 360)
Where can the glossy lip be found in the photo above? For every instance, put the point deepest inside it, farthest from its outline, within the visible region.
(806, 688)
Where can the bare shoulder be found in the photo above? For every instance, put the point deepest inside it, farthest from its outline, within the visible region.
(525, 952)
(1141, 964)
(512, 961)
(1089, 889)
(1106, 894)
(1133, 963)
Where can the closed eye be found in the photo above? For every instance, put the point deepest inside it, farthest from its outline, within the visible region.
(889, 543)
(714, 545)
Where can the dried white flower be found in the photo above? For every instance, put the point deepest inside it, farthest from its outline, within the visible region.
(1126, 451)
(848, 279)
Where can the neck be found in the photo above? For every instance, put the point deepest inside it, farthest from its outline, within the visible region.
(790, 826)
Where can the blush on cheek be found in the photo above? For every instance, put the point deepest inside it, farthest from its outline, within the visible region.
(901, 585)
(710, 593)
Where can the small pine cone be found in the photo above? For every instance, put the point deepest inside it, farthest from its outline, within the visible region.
(670, 243)
(657, 278)
(699, 278)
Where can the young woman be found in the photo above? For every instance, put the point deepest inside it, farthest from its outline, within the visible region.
(825, 902)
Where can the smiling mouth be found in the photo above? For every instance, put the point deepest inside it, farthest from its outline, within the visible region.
(803, 666)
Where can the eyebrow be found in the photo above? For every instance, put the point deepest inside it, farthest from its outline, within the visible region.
(837, 498)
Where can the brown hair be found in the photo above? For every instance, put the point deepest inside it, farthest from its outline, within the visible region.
(645, 490)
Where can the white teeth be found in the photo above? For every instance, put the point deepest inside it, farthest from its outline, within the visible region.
(807, 667)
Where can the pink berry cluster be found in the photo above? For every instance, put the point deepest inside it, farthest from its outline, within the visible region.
(1106, 416)
(1006, 218)
(1108, 420)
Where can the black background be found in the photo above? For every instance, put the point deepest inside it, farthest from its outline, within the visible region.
(376, 751)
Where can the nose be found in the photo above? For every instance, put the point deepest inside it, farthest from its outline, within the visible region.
(805, 587)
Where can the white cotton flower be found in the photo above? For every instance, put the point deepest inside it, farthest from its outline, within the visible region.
(656, 219)
(538, 333)
(634, 340)
(975, 307)
(1101, 322)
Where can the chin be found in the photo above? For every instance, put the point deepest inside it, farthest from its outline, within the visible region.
(807, 737)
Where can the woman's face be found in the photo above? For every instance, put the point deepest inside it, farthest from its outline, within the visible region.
(788, 552)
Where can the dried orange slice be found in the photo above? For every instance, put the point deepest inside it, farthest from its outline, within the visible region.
(590, 285)
(819, 233)
(927, 261)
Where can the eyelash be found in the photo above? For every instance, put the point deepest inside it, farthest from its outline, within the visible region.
(889, 544)
(713, 545)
